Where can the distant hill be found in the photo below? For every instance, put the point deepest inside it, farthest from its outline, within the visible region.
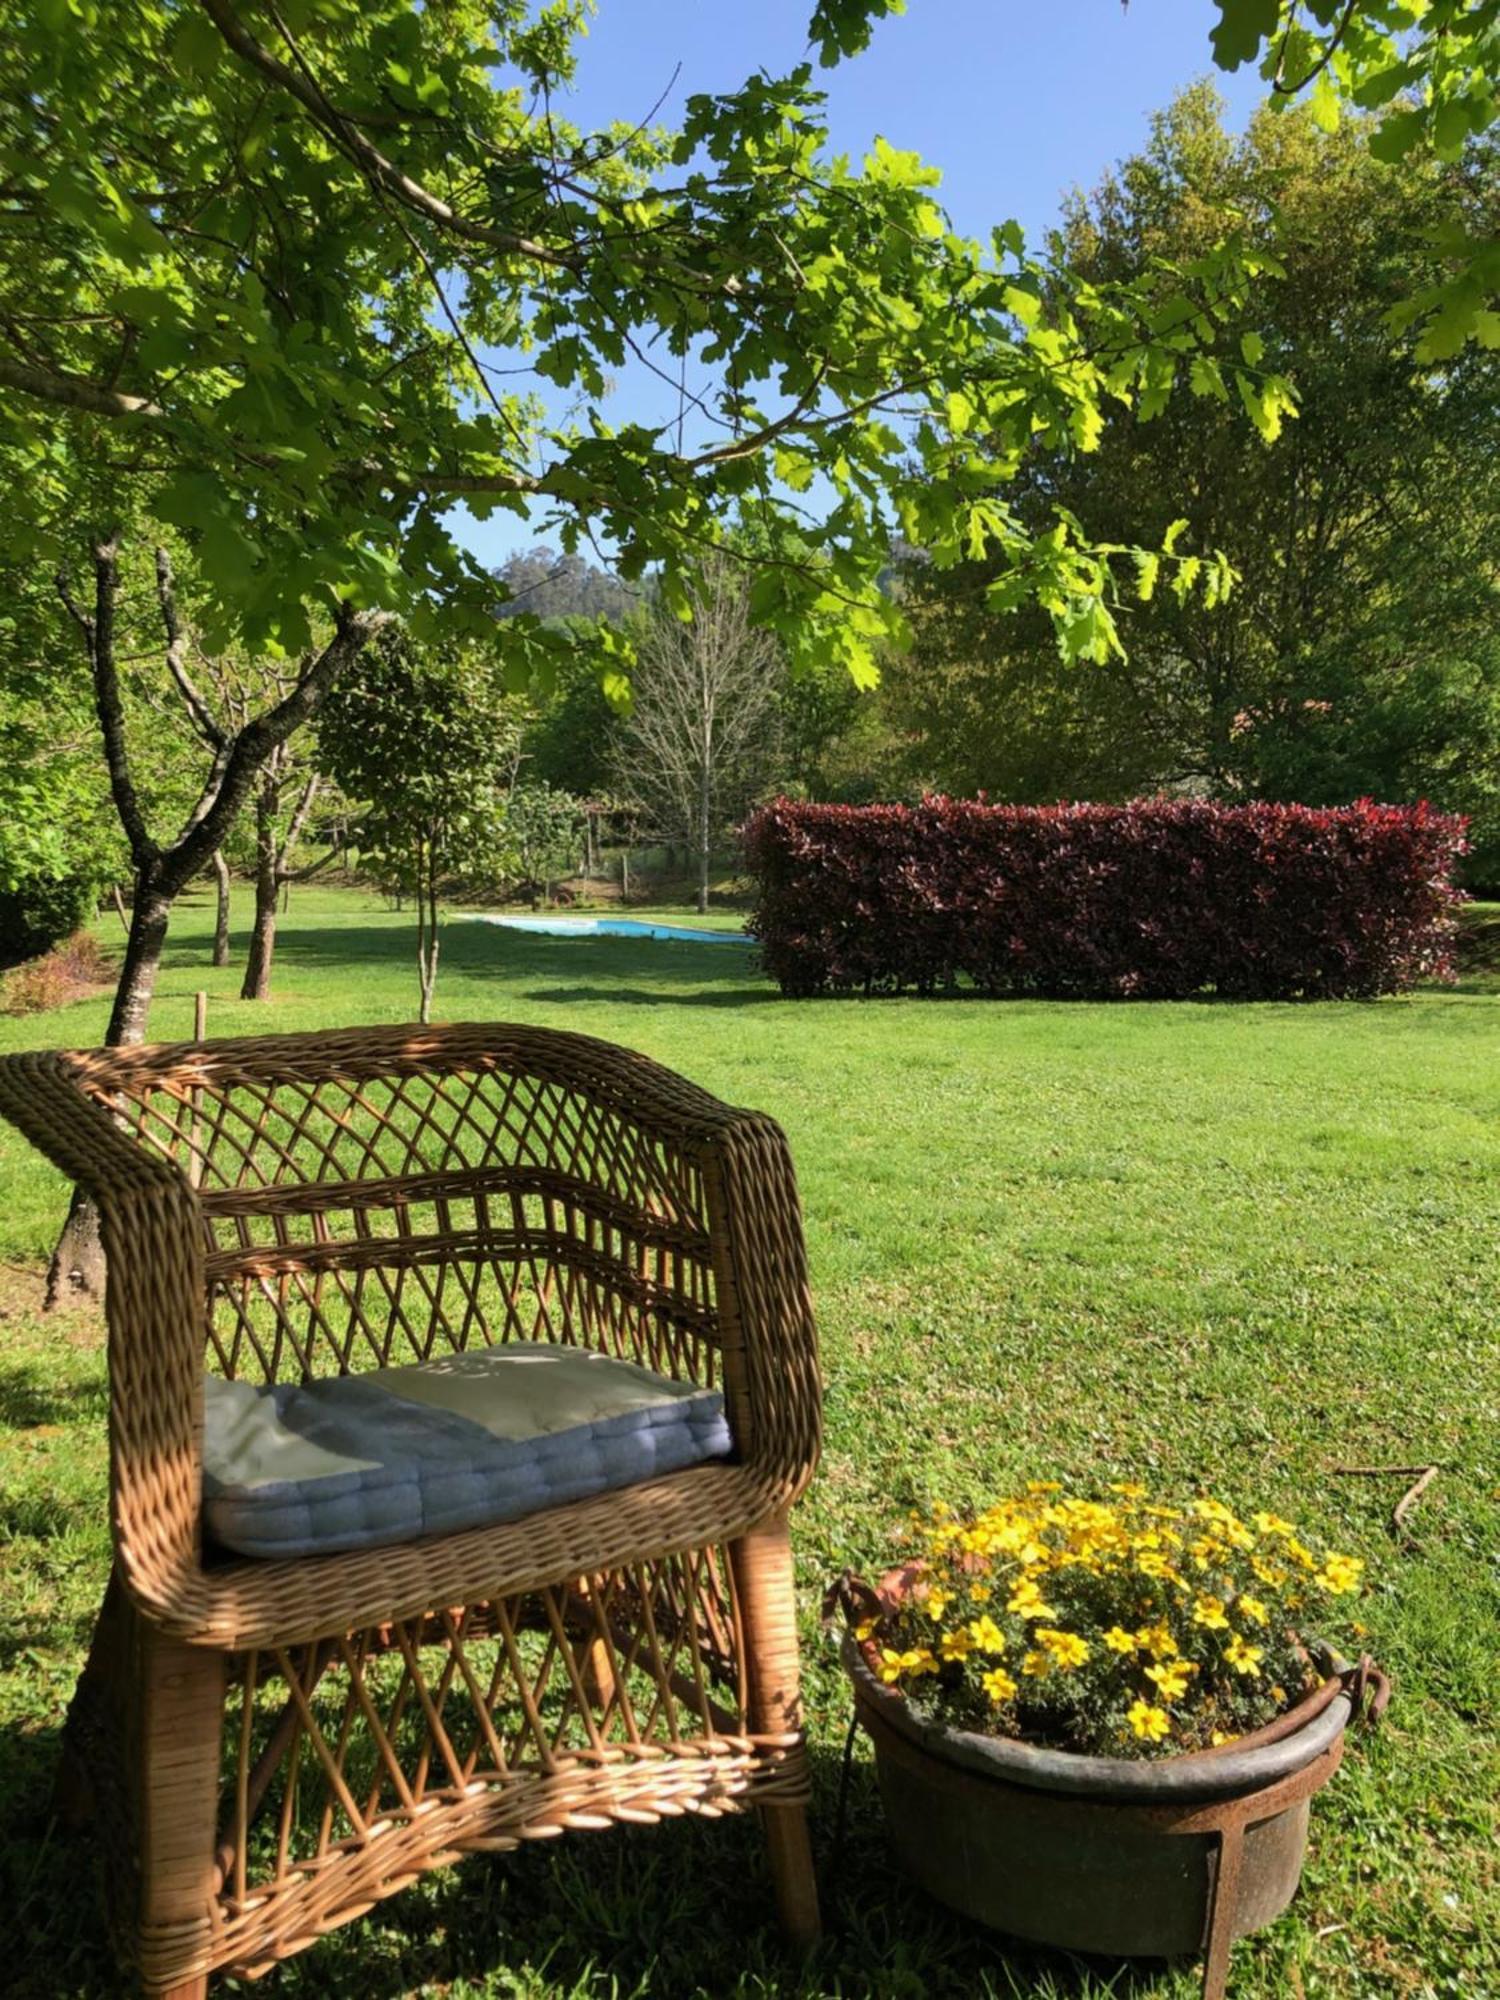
(550, 585)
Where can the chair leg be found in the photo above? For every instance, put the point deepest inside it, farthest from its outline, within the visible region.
(90, 1738)
(175, 1710)
(762, 1562)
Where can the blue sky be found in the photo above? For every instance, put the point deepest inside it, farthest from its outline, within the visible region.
(1017, 103)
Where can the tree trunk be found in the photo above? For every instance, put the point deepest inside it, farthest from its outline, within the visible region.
(221, 912)
(76, 1272)
(427, 931)
(702, 831)
(257, 982)
(143, 949)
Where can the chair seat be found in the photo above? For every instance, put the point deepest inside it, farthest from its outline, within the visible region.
(236, 1602)
(461, 1441)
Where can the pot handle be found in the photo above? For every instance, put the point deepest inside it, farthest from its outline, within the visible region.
(1369, 1691)
(852, 1596)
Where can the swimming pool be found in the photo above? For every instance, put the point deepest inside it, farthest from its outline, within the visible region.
(627, 927)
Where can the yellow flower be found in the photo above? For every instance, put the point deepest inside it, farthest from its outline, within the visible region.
(893, 1664)
(1271, 1524)
(936, 1602)
(1340, 1574)
(1245, 1659)
(1151, 1562)
(987, 1635)
(998, 1684)
(1037, 1665)
(1066, 1648)
(1119, 1641)
(1219, 1736)
(1126, 1490)
(956, 1645)
(1026, 1600)
(1251, 1608)
(1171, 1679)
(1209, 1612)
(1149, 1722)
(865, 1629)
(1157, 1640)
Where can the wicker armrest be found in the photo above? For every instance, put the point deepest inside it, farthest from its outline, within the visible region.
(765, 1305)
(153, 1245)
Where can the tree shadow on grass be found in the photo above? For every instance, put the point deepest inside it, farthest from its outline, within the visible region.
(656, 996)
(29, 1400)
(545, 969)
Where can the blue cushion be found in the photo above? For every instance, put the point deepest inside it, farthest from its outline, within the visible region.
(362, 1461)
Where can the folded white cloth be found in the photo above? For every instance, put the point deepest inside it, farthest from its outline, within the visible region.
(361, 1461)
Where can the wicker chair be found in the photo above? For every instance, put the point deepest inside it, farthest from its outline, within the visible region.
(272, 1746)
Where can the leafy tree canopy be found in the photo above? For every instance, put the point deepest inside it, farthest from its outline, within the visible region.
(1430, 69)
(275, 267)
(1359, 652)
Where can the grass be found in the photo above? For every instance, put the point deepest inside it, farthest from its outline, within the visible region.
(1200, 1244)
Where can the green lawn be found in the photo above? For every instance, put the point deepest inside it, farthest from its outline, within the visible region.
(1232, 1245)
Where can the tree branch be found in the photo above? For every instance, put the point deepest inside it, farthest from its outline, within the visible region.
(758, 440)
(354, 145)
(295, 825)
(75, 392)
(99, 642)
(255, 742)
(203, 717)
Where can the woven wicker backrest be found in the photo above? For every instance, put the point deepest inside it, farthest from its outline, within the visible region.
(375, 1197)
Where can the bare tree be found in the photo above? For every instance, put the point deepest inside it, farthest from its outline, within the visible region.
(701, 734)
(162, 868)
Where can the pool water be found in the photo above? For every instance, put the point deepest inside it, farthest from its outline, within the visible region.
(612, 927)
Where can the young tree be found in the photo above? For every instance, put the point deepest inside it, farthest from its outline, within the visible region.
(701, 731)
(425, 738)
(285, 794)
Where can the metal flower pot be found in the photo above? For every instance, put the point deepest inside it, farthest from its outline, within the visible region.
(1108, 1854)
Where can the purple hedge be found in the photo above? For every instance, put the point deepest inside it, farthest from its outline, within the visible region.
(1159, 899)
